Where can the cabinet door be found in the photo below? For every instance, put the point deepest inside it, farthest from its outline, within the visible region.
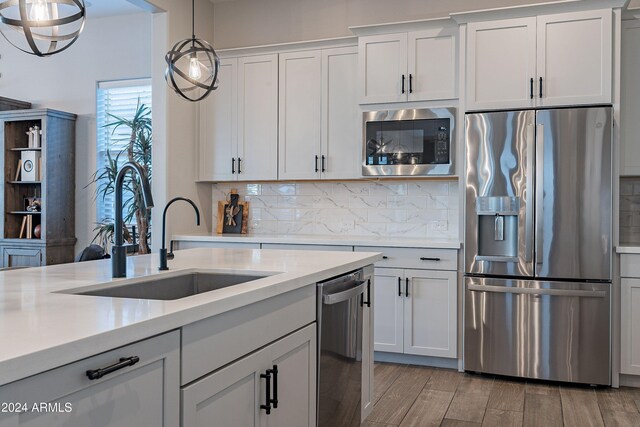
(432, 63)
(21, 257)
(233, 395)
(388, 313)
(295, 358)
(501, 61)
(299, 120)
(341, 118)
(430, 313)
(630, 327)
(574, 58)
(144, 394)
(229, 396)
(382, 64)
(630, 99)
(218, 117)
(257, 118)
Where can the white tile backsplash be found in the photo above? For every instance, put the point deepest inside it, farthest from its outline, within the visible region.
(419, 209)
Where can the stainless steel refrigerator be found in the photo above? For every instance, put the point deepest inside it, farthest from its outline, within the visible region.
(538, 244)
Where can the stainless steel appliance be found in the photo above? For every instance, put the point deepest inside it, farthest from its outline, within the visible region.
(340, 323)
(538, 244)
(409, 142)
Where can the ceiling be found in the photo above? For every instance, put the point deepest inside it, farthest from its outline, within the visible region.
(102, 8)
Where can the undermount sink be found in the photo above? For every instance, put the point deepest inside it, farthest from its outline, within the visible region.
(171, 288)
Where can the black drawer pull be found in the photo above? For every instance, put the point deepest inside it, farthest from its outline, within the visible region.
(274, 371)
(422, 258)
(399, 286)
(385, 257)
(267, 406)
(94, 374)
(406, 287)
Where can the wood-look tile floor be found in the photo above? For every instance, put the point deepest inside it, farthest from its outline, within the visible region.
(419, 396)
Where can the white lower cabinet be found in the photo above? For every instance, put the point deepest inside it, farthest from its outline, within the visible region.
(145, 393)
(249, 392)
(415, 312)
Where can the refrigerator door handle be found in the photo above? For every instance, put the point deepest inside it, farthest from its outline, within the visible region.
(528, 233)
(536, 291)
(539, 192)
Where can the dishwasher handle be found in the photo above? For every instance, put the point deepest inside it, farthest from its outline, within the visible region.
(337, 297)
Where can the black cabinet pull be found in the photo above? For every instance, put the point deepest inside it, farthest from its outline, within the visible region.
(267, 405)
(422, 258)
(399, 286)
(406, 287)
(233, 165)
(239, 160)
(540, 87)
(410, 83)
(385, 257)
(323, 159)
(274, 371)
(94, 374)
(403, 83)
(316, 163)
(531, 87)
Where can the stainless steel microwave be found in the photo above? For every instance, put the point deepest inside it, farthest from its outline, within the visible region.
(409, 142)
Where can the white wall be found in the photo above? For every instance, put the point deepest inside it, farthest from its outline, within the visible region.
(110, 48)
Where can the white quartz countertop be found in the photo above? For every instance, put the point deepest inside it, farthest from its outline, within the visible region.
(403, 242)
(42, 329)
(628, 249)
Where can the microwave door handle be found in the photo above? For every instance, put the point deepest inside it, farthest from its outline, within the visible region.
(539, 193)
(529, 199)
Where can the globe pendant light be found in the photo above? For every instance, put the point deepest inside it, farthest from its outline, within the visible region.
(42, 27)
(192, 66)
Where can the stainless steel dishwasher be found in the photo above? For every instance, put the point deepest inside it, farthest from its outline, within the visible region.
(340, 328)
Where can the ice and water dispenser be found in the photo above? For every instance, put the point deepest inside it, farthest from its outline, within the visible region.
(497, 228)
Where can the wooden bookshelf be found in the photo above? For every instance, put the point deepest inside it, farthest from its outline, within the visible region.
(54, 187)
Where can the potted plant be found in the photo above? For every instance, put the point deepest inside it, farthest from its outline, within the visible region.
(138, 149)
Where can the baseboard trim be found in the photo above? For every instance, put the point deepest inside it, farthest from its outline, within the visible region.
(410, 359)
(630, 380)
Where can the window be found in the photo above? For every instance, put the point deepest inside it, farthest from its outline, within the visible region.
(118, 98)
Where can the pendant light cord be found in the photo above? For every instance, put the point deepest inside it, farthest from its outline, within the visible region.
(193, 19)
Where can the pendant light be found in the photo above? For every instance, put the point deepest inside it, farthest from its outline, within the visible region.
(42, 27)
(192, 66)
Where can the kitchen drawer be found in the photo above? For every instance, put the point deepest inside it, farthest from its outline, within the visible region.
(431, 259)
(211, 343)
(630, 265)
(184, 244)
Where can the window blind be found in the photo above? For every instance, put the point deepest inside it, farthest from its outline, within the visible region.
(119, 98)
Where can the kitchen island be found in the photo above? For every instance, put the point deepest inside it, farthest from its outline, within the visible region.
(46, 328)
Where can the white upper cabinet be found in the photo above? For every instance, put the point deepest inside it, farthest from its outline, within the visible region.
(630, 99)
(257, 118)
(383, 68)
(218, 142)
(300, 99)
(414, 66)
(574, 58)
(341, 117)
(432, 64)
(551, 60)
(239, 122)
(319, 121)
(501, 58)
